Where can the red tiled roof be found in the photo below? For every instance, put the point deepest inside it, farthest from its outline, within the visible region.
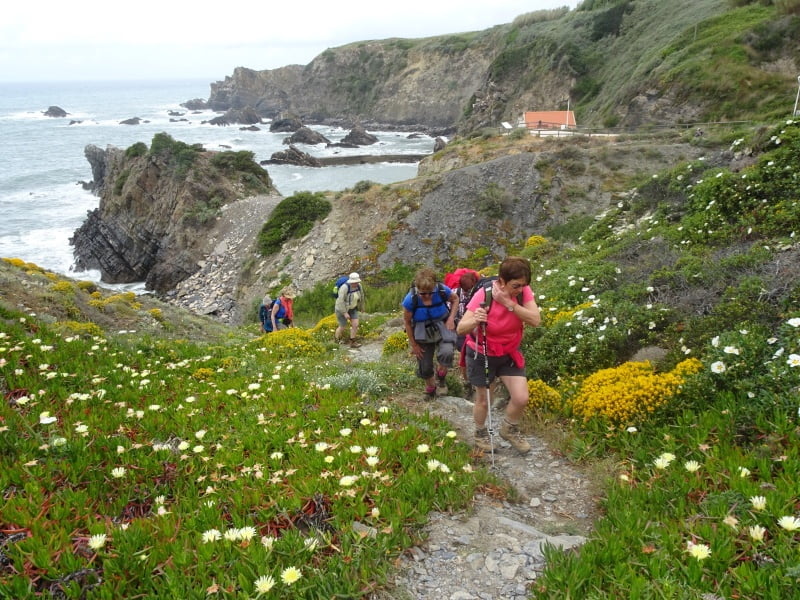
(548, 119)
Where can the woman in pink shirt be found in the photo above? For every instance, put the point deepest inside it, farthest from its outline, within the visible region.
(512, 306)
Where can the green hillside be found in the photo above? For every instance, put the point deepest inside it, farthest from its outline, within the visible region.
(144, 455)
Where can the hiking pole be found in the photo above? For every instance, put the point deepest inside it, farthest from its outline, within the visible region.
(490, 427)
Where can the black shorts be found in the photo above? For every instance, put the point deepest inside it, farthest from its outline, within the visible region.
(499, 366)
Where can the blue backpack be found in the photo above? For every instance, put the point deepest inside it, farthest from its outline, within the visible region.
(340, 281)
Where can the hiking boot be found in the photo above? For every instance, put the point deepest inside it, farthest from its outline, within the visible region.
(441, 384)
(482, 440)
(430, 393)
(511, 434)
(354, 343)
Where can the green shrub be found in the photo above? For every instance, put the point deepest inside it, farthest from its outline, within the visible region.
(292, 218)
(136, 150)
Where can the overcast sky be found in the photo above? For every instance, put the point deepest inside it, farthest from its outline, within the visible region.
(45, 40)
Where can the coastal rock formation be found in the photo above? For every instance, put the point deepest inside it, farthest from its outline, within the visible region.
(422, 86)
(156, 216)
(305, 135)
(358, 136)
(285, 123)
(243, 116)
(55, 111)
(292, 156)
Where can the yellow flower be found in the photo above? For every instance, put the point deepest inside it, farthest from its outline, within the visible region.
(290, 574)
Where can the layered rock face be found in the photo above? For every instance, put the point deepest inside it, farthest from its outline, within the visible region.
(154, 221)
(376, 83)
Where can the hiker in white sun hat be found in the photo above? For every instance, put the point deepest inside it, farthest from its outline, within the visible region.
(349, 302)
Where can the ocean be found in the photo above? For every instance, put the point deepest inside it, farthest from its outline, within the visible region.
(42, 159)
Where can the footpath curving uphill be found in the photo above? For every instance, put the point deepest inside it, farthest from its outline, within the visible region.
(493, 550)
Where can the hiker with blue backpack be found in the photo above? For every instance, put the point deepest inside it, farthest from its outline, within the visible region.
(349, 302)
(493, 323)
(429, 312)
(282, 311)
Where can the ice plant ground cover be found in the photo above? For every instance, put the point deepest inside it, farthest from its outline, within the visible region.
(131, 465)
(139, 469)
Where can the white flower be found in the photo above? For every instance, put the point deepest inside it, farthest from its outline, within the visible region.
(276, 455)
(731, 521)
(118, 472)
(631, 429)
(345, 432)
(46, 418)
(200, 434)
(715, 341)
(731, 350)
(321, 446)
(691, 466)
(758, 502)
(97, 541)
(264, 584)
(789, 523)
(718, 367)
(372, 460)
(793, 360)
(699, 551)
(348, 480)
(794, 322)
(756, 532)
(423, 448)
(744, 472)
(451, 434)
(268, 541)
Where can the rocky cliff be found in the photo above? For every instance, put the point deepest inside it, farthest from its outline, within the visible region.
(628, 63)
(159, 208)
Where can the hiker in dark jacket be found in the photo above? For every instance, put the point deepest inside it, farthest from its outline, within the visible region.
(265, 314)
(429, 311)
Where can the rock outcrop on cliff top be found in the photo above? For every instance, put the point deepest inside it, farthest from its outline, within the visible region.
(159, 208)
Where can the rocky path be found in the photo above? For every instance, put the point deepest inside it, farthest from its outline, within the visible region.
(493, 550)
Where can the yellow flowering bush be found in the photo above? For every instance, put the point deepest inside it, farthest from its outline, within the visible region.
(63, 287)
(293, 341)
(565, 314)
(203, 374)
(156, 314)
(627, 393)
(535, 240)
(541, 395)
(87, 286)
(395, 343)
(230, 363)
(16, 262)
(690, 366)
(325, 327)
(125, 298)
(83, 329)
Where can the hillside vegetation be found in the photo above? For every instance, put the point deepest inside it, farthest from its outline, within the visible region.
(617, 63)
(240, 466)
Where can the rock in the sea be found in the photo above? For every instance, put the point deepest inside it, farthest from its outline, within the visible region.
(55, 111)
(306, 135)
(359, 136)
